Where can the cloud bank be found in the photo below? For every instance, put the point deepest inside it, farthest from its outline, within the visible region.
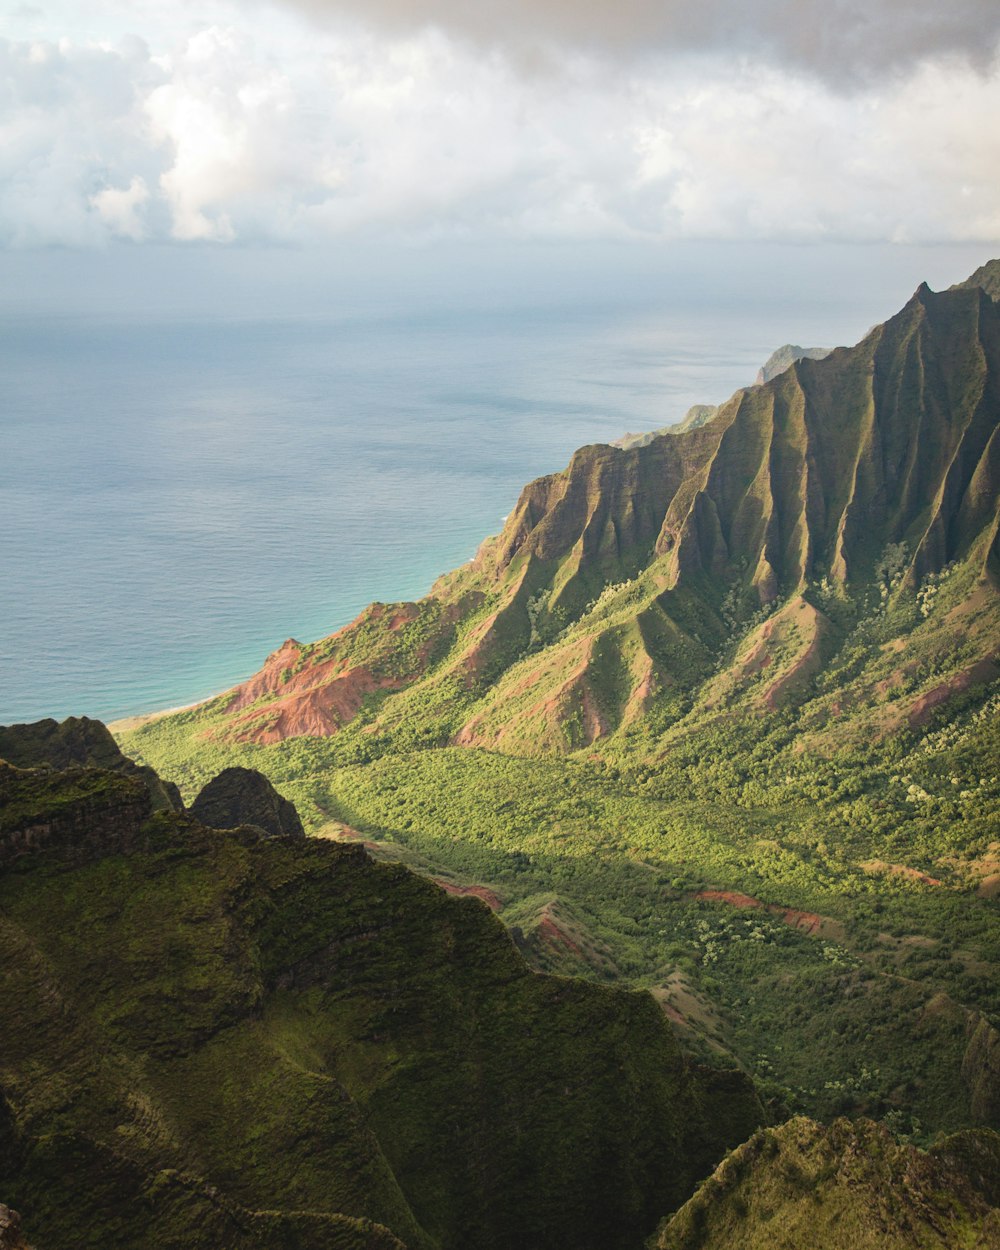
(259, 127)
(843, 40)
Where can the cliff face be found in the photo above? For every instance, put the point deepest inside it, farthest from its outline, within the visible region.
(810, 475)
(221, 1039)
(869, 472)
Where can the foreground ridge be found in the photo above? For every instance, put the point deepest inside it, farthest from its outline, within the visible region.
(231, 1038)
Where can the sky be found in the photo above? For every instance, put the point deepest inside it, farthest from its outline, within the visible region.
(194, 123)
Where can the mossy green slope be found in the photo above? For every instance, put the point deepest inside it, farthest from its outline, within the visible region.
(80, 742)
(844, 1187)
(217, 1038)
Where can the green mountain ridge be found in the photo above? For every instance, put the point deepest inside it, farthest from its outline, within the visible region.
(226, 1038)
(842, 486)
(714, 717)
(844, 1187)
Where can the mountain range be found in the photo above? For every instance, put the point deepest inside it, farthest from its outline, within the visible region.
(713, 718)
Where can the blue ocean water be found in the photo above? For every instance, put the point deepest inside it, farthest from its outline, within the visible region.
(182, 490)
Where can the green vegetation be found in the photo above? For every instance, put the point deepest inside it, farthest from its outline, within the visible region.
(757, 658)
(846, 1187)
(229, 1039)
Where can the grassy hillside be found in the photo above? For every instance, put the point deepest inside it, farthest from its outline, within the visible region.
(846, 1187)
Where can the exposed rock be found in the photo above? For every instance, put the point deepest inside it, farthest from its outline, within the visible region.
(243, 796)
(779, 360)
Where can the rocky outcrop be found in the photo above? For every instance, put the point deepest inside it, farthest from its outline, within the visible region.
(816, 473)
(79, 742)
(243, 796)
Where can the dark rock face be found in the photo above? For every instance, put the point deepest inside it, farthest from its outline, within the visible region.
(84, 813)
(243, 796)
(79, 742)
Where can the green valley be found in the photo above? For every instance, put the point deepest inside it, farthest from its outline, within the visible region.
(713, 716)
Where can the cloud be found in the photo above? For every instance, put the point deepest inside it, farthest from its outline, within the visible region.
(844, 41)
(120, 208)
(228, 134)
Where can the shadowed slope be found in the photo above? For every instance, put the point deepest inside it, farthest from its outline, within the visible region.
(227, 1039)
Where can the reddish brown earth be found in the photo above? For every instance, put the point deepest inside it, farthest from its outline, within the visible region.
(731, 897)
(807, 922)
(879, 866)
(921, 709)
(316, 704)
(476, 891)
(550, 933)
(806, 663)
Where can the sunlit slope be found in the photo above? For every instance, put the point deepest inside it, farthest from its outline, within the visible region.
(660, 579)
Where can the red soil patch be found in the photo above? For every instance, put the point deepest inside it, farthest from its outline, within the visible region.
(316, 712)
(477, 891)
(808, 922)
(402, 616)
(806, 663)
(550, 933)
(879, 866)
(921, 709)
(729, 896)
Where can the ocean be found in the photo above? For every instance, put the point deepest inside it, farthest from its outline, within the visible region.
(185, 482)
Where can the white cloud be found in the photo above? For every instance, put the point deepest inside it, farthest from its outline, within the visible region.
(243, 129)
(120, 208)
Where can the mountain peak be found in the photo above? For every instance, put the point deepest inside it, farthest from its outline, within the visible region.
(986, 276)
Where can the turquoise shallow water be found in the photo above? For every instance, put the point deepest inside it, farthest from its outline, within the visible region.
(179, 493)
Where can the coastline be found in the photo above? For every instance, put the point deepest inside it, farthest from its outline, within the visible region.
(125, 724)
